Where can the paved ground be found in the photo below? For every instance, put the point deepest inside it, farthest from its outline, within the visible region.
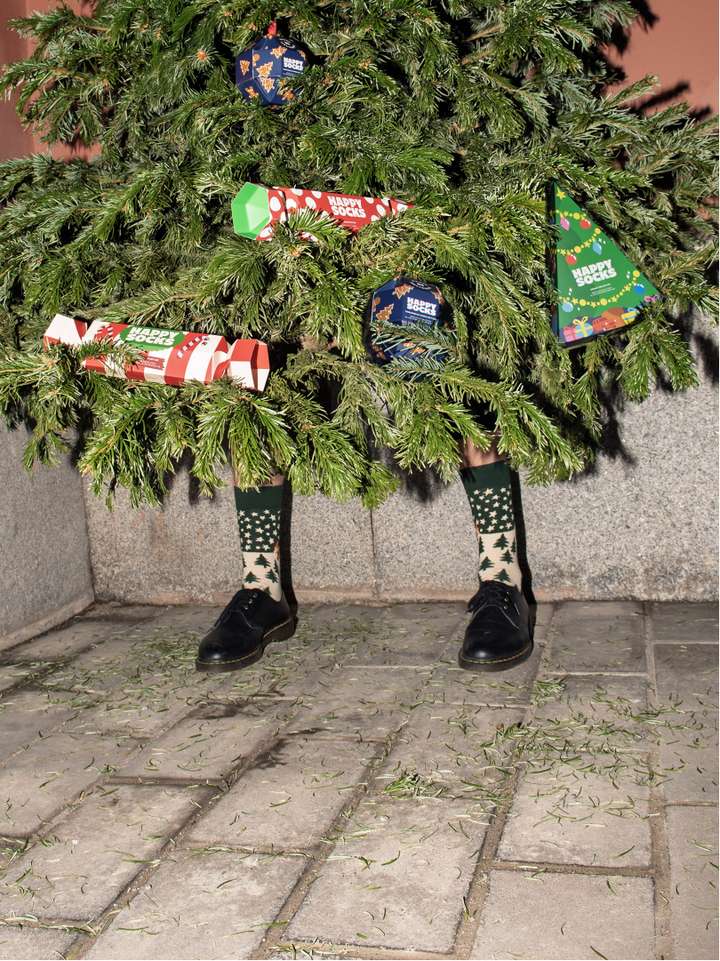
(355, 795)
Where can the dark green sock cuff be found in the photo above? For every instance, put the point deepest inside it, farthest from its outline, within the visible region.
(259, 498)
(493, 475)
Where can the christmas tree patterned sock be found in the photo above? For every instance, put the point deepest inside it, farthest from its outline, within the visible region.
(488, 490)
(258, 514)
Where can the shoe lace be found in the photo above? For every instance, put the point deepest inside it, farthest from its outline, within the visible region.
(244, 600)
(491, 594)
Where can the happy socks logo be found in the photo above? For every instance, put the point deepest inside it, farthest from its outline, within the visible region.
(424, 307)
(151, 338)
(593, 273)
(346, 206)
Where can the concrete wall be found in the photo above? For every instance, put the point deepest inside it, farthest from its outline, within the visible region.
(44, 562)
(641, 526)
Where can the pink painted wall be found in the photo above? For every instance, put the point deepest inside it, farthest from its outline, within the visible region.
(14, 141)
(681, 48)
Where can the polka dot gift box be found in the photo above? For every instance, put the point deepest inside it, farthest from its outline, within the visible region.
(599, 290)
(256, 209)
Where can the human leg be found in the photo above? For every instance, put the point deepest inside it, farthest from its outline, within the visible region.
(259, 612)
(498, 635)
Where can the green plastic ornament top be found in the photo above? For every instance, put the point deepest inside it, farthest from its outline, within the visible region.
(250, 210)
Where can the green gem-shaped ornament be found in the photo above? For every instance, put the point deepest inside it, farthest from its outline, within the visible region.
(250, 210)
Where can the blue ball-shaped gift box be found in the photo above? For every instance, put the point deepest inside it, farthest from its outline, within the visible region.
(401, 302)
(264, 68)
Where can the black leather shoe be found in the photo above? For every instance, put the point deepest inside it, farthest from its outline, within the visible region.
(498, 636)
(239, 636)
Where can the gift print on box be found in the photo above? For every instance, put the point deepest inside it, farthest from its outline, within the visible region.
(599, 290)
(166, 356)
(262, 71)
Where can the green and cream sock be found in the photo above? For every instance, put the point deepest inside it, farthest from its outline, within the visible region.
(489, 493)
(258, 514)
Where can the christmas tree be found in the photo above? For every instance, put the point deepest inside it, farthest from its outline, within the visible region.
(465, 110)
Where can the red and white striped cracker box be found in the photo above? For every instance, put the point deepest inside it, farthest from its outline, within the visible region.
(247, 363)
(65, 330)
(166, 356)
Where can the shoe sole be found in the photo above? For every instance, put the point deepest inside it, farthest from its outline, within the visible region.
(502, 664)
(280, 632)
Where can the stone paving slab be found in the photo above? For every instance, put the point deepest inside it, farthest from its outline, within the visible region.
(204, 747)
(689, 765)
(139, 682)
(289, 798)
(15, 674)
(375, 888)
(28, 942)
(131, 713)
(39, 781)
(451, 747)
(687, 685)
(617, 699)
(63, 642)
(69, 875)
(361, 703)
(568, 817)
(211, 906)
(398, 634)
(27, 715)
(685, 622)
(693, 837)
(596, 713)
(188, 620)
(531, 915)
(449, 684)
(687, 672)
(603, 636)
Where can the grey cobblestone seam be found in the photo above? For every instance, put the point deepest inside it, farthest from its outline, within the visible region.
(479, 885)
(659, 846)
(690, 804)
(357, 951)
(587, 870)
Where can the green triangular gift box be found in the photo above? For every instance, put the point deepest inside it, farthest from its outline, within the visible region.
(599, 290)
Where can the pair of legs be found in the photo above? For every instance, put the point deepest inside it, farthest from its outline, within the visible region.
(498, 635)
